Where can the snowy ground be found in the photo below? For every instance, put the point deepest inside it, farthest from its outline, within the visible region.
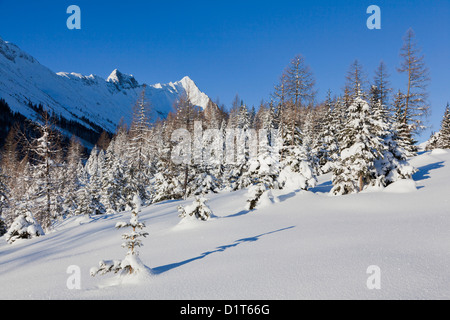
(309, 245)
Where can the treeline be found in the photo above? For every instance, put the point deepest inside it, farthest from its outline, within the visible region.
(88, 132)
(8, 119)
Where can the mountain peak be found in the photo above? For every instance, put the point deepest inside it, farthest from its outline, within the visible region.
(195, 95)
(125, 81)
(186, 79)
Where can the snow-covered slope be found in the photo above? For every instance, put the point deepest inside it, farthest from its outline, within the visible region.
(72, 95)
(307, 245)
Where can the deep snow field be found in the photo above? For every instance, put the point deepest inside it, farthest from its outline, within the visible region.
(305, 245)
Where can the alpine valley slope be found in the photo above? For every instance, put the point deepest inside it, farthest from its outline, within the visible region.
(305, 245)
(74, 96)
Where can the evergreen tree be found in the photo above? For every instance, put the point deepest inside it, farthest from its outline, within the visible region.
(297, 171)
(24, 227)
(165, 183)
(432, 143)
(359, 149)
(404, 136)
(444, 133)
(381, 81)
(393, 164)
(132, 264)
(327, 145)
(263, 171)
(89, 193)
(245, 139)
(309, 141)
(198, 208)
(113, 182)
(355, 82)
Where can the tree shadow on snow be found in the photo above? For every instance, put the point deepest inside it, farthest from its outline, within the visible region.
(324, 187)
(168, 267)
(423, 172)
(286, 196)
(237, 214)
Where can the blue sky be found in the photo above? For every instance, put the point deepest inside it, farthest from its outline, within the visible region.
(230, 47)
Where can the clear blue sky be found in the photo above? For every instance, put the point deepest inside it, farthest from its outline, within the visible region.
(230, 47)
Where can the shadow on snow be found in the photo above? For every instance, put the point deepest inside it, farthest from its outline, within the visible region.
(168, 267)
(324, 187)
(423, 172)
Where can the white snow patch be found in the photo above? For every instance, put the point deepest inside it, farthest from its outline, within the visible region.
(307, 246)
(401, 186)
(438, 152)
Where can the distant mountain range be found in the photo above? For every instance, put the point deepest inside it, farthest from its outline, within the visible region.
(75, 97)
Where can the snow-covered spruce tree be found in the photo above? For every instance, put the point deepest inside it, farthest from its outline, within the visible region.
(244, 136)
(441, 139)
(296, 168)
(208, 155)
(432, 142)
(404, 137)
(381, 81)
(393, 164)
(356, 83)
(214, 158)
(263, 172)
(239, 179)
(132, 263)
(113, 182)
(327, 145)
(88, 195)
(205, 182)
(166, 187)
(198, 209)
(309, 140)
(24, 227)
(444, 133)
(165, 182)
(360, 147)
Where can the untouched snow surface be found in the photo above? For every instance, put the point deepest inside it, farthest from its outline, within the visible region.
(305, 245)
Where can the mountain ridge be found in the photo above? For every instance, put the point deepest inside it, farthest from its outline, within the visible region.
(105, 102)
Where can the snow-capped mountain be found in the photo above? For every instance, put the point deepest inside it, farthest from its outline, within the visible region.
(75, 97)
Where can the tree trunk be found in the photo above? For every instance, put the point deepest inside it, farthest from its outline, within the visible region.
(186, 181)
